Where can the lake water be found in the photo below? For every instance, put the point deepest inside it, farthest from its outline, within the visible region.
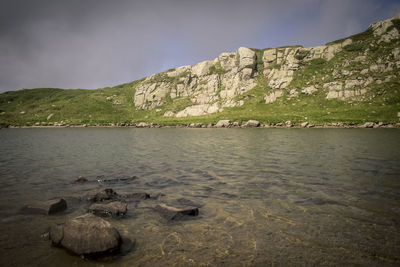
(269, 196)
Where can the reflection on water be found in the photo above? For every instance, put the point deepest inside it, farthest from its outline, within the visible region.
(268, 196)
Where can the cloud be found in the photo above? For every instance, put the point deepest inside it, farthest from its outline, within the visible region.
(98, 43)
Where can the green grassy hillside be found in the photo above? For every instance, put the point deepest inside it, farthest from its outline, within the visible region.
(381, 103)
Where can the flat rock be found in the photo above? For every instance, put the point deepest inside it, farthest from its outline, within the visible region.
(101, 179)
(86, 235)
(45, 207)
(177, 211)
(97, 195)
(115, 208)
(134, 196)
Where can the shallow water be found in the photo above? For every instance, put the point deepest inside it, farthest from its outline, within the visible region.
(269, 196)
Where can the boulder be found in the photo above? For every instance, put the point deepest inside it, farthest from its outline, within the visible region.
(86, 235)
(309, 90)
(142, 125)
(304, 124)
(46, 207)
(115, 208)
(252, 123)
(247, 58)
(177, 211)
(223, 124)
(368, 125)
(97, 195)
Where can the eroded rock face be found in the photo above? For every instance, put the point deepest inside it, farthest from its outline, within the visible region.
(86, 235)
(205, 83)
(214, 84)
(247, 58)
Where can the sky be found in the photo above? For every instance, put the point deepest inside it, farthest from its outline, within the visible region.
(98, 43)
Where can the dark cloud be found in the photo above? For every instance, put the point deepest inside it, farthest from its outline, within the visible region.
(97, 43)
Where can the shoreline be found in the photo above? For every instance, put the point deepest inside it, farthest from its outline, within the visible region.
(211, 125)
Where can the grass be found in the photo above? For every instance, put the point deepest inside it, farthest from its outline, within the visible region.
(356, 37)
(217, 69)
(301, 54)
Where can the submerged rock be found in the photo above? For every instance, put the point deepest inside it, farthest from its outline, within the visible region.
(81, 179)
(86, 235)
(97, 195)
(134, 196)
(116, 180)
(176, 212)
(188, 202)
(45, 207)
(115, 208)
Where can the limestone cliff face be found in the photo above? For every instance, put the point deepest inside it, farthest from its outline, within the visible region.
(215, 84)
(205, 83)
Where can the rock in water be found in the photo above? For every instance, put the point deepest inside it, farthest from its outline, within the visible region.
(115, 208)
(46, 207)
(173, 213)
(97, 195)
(134, 196)
(86, 235)
(81, 179)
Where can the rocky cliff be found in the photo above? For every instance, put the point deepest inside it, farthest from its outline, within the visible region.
(350, 69)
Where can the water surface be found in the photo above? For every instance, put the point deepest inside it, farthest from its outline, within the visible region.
(269, 196)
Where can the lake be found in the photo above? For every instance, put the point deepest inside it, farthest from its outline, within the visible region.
(268, 196)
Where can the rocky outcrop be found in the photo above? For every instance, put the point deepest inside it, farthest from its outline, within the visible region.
(271, 98)
(205, 83)
(198, 110)
(213, 85)
(86, 235)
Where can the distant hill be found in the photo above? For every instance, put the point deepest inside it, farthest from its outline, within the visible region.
(352, 80)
